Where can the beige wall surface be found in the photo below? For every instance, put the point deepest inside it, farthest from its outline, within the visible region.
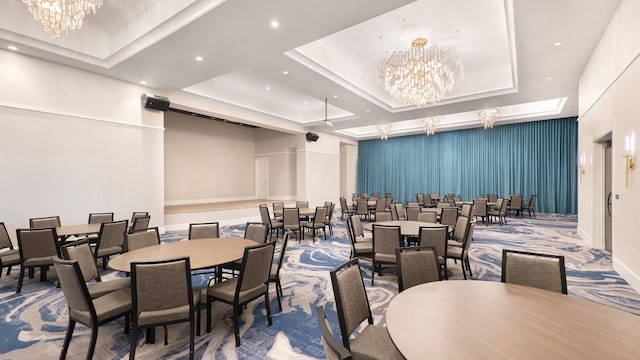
(616, 110)
(280, 149)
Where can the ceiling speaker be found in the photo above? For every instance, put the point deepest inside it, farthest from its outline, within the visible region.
(155, 102)
(312, 137)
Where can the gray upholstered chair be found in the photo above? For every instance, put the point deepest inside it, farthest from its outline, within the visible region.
(420, 199)
(257, 232)
(140, 223)
(346, 209)
(385, 241)
(428, 216)
(274, 275)
(162, 295)
(542, 271)
(480, 210)
(204, 230)
(99, 218)
(492, 198)
(110, 240)
(44, 222)
(531, 205)
(278, 207)
(460, 231)
(383, 216)
(273, 225)
(81, 252)
(381, 206)
(86, 310)
(327, 222)
(449, 216)
(252, 283)
(8, 256)
(400, 211)
(394, 213)
(317, 223)
(358, 231)
(137, 214)
(362, 208)
(141, 238)
(362, 249)
(515, 204)
(352, 305)
(417, 265)
(333, 349)
(436, 237)
(499, 212)
(412, 213)
(291, 219)
(462, 252)
(466, 210)
(37, 247)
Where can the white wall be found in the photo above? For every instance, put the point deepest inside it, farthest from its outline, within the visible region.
(348, 169)
(280, 149)
(609, 89)
(74, 142)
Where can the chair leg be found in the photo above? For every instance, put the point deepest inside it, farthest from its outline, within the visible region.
(92, 344)
(373, 271)
(268, 305)
(20, 279)
(278, 291)
(134, 343)
(198, 312)
(67, 339)
(236, 323)
(462, 266)
(192, 337)
(468, 266)
(208, 315)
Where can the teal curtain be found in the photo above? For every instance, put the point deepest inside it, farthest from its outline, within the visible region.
(537, 157)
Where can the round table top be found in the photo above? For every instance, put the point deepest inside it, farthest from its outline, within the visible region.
(81, 229)
(407, 228)
(458, 319)
(202, 253)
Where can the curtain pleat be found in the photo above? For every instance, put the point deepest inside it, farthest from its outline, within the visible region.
(537, 157)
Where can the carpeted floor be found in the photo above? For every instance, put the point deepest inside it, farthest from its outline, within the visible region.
(34, 322)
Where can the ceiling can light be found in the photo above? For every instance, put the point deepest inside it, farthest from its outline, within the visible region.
(488, 117)
(420, 75)
(59, 16)
(430, 125)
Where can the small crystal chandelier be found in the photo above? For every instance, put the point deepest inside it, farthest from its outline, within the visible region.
(430, 125)
(384, 130)
(60, 16)
(420, 75)
(488, 117)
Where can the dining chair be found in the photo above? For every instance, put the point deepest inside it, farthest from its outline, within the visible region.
(358, 230)
(449, 216)
(292, 221)
(412, 213)
(37, 247)
(386, 239)
(362, 208)
(515, 204)
(257, 232)
(538, 270)
(98, 218)
(394, 213)
(381, 206)
(428, 201)
(480, 210)
(249, 285)
(327, 222)
(466, 210)
(278, 207)
(346, 209)
(44, 222)
(8, 256)
(352, 306)
(462, 252)
(531, 205)
(274, 274)
(141, 238)
(317, 223)
(204, 230)
(362, 249)
(383, 216)
(388, 202)
(272, 225)
(417, 265)
(500, 212)
(333, 349)
(110, 240)
(137, 214)
(400, 211)
(86, 310)
(420, 199)
(428, 216)
(81, 252)
(162, 294)
(436, 237)
(140, 223)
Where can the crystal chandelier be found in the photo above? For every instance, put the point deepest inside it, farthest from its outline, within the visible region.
(384, 130)
(488, 116)
(430, 125)
(420, 75)
(60, 16)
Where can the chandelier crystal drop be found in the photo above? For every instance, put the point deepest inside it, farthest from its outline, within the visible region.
(420, 75)
(430, 125)
(59, 16)
(488, 117)
(384, 130)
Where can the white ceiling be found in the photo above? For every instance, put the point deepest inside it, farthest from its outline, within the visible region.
(331, 49)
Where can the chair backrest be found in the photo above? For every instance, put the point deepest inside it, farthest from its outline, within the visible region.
(5, 240)
(83, 255)
(333, 349)
(467, 210)
(400, 211)
(74, 288)
(412, 213)
(112, 234)
(142, 238)
(420, 198)
(449, 216)
(343, 204)
(503, 206)
(386, 238)
(291, 217)
(428, 216)
(434, 236)
(204, 230)
(532, 201)
(257, 232)
(137, 214)
(480, 206)
(34, 243)
(394, 213)
(161, 285)
(381, 205)
(329, 206)
(362, 207)
(542, 271)
(388, 201)
(356, 224)
(383, 216)
(350, 297)
(516, 202)
(140, 223)
(302, 204)
(417, 265)
(264, 214)
(44, 222)
(498, 205)
(256, 267)
(277, 207)
(462, 227)
(98, 218)
(283, 248)
(442, 205)
(427, 200)
(320, 216)
(492, 197)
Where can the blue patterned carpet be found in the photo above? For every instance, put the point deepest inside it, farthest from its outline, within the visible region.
(34, 322)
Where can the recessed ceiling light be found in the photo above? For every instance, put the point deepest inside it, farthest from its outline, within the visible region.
(368, 111)
(275, 24)
(267, 88)
(285, 72)
(306, 102)
(12, 48)
(557, 43)
(143, 82)
(549, 78)
(335, 96)
(199, 58)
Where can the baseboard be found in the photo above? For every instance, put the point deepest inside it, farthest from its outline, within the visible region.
(181, 221)
(627, 274)
(588, 240)
(208, 201)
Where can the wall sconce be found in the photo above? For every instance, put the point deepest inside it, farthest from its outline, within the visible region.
(581, 167)
(629, 150)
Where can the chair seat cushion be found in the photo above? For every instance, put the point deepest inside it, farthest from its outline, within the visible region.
(454, 252)
(374, 343)
(276, 224)
(108, 306)
(112, 250)
(363, 248)
(388, 258)
(11, 257)
(364, 240)
(226, 291)
(176, 314)
(104, 287)
(39, 261)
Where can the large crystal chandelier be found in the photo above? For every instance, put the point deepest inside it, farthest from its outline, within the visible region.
(430, 125)
(384, 130)
(488, 116)
(60, 16)
(420, 75)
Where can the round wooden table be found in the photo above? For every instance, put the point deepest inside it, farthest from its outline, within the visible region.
(407, 228)
(459, 319)
(202, 253)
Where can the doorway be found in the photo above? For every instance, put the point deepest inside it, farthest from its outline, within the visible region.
(262, 178)
(608, 213)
